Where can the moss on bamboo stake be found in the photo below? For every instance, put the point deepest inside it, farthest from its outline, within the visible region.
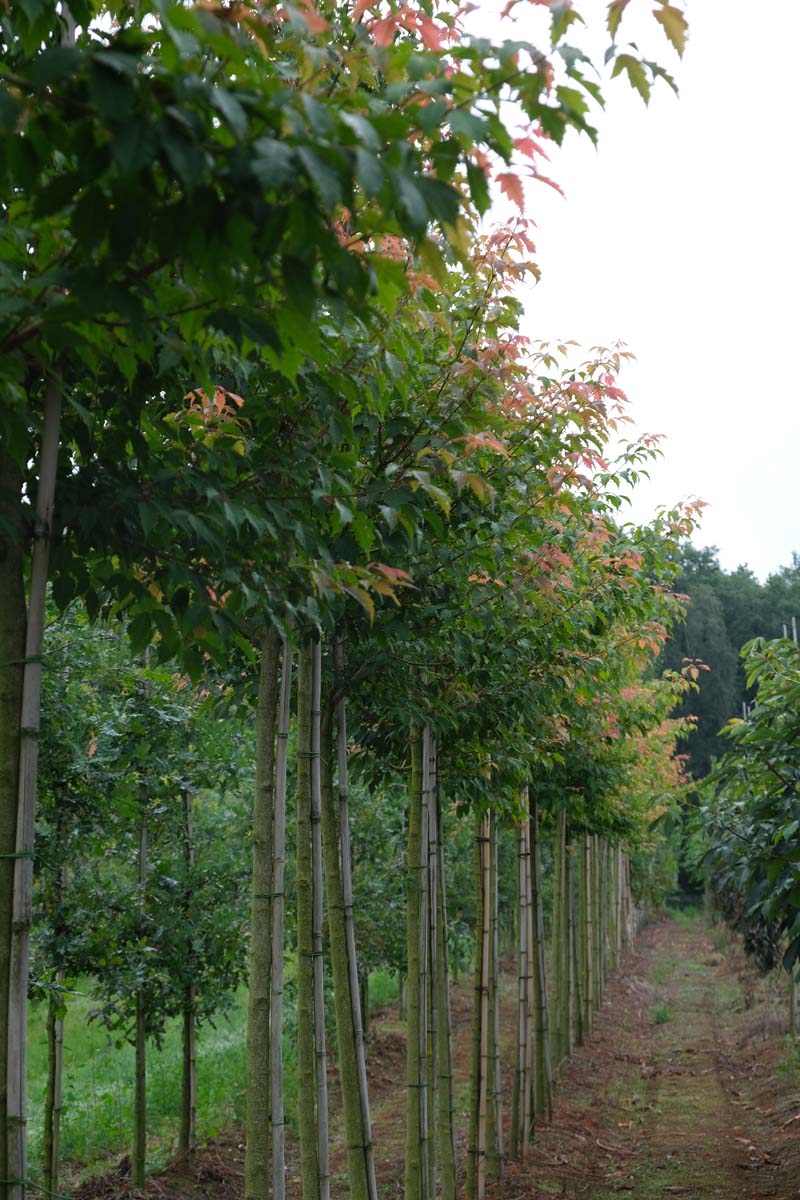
(257, 1144)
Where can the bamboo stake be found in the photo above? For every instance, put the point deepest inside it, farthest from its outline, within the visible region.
(540, 969)
(484, 1015)
(433, 972)
(494, 977)
(307, 1114)
(278, 900)
(347, 899)
(533, 1096)
(521, 1089)
(139, 1148)
(424, 945)
(415, 1020)
(569, 905)
(588, 925)
(30, 720)
(188, 1130)
(446, 1135)
(258, 1133)
(320, 1052)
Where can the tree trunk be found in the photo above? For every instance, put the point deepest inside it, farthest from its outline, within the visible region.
(320, 1051)
(416, 1013)
(495, 1148)
(12, 653)
(187, 1137)
(341, 932)
(256, 1162)
(429, 760)
(27, 727)
(521, 1056)
(278, 901)
(569, 966)
(306, 1084)
(587, 936)
(139, 1149)
(534, 1096)
(486, 923)
(544, 1066)
(446, 1137)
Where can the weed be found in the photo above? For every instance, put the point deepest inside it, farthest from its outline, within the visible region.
(384, 987)
(790, 1059)
(661, 1014)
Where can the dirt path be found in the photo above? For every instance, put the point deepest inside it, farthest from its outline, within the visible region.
(680, 1093)
(665, 1100)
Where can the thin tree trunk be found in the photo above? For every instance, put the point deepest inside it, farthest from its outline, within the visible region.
(473, 1139)
(187, 1137)
(569, 967)
(278, 900)
(29, 715)
(429, 754)
(533, 1105)
(139, 1149)
(320, 1050)
(521, 1056)
(446, 1136)
(256, 1162)
(495, 1147)
(587, 938)
(344, 963)
(485, 841)
(416, 1014)
(12, 654)
(596, 931)
(542, 1020)
(304, 884)
(424, 947)
(557, 942)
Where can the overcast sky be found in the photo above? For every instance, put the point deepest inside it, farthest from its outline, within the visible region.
(679, 235)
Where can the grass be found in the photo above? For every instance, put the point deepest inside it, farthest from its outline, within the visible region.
(661, 1014)
(98, 1083)
(97, 1114)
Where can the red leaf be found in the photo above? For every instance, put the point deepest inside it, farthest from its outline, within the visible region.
(511, 186)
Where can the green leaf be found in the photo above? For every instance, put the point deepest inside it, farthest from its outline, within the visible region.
(230, 108)
(273, 163)
(325, 180)
(636, 73)
(9, 111)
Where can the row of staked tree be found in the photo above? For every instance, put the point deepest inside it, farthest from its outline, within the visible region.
(267, 407)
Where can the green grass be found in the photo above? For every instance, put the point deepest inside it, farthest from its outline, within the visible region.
(384, 987)
(661, 1014)
(98, 1083)
(98, 1079)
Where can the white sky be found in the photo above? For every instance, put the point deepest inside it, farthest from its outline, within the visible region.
(680, 236)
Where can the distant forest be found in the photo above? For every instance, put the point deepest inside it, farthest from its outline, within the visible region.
(726, 610)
